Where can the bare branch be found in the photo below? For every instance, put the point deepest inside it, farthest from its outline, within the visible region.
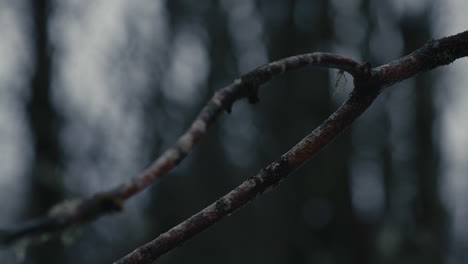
(368, 84)
(110, 201)
(264, 181)
(246, 86)
(433, 54)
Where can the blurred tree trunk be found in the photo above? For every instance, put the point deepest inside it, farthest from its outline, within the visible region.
(364, 224)
(414, 216)
(428, 241)
(47, 157)
(199, 179)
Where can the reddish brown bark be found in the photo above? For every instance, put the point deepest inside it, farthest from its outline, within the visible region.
(368, 83)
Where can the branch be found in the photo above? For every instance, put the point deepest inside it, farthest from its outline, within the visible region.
(368, 83)
(78, 212)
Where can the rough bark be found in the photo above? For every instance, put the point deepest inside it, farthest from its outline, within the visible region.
(368, 83)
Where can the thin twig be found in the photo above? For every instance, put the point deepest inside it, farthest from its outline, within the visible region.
(85, 210)
(264, 181)
(368, 83)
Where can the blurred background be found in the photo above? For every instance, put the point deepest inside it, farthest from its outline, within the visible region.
(92, 91)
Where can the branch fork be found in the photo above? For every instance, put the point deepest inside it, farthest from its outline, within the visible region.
(368, 83)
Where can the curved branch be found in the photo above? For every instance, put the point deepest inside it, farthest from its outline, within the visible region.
(246, 86)
(264, 181)
(85, 210)
(368, 84)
